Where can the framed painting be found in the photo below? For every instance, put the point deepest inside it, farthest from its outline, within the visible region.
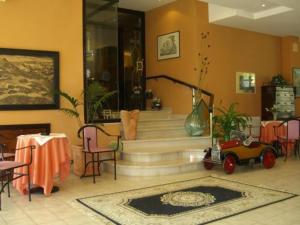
(29, 79)
(168, 46)
(296, 80)
(245, 83)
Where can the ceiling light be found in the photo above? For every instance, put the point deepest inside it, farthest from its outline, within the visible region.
(263, 5)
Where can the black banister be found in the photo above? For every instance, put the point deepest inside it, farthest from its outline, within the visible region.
(211, 96)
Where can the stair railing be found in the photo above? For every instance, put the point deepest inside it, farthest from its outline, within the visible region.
(193, 87)
(194, 91)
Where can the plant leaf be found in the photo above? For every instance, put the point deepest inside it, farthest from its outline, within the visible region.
(70, 112)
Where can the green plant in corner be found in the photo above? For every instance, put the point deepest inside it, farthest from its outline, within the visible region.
(73, 111)
(96, 96)
(229, 119)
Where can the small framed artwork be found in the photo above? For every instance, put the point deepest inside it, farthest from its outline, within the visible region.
(29, 79)
(245, 83)
(296, 80)
(168, 46)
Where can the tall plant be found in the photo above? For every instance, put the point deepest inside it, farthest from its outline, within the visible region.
(96, 96)
(203, 63)
(229, 119)
(73, 111)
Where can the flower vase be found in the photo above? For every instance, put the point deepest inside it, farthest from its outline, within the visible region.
(197, 121)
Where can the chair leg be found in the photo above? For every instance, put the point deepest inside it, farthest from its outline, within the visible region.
(29, 192)
(98, 160)
(2, 183)
(8, 188)
(85, 165)
(286, 151)
(93, 164)
(115, 165)
(1, 189)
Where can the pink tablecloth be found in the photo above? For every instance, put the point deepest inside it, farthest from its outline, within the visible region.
(267, 133)
(49, 160)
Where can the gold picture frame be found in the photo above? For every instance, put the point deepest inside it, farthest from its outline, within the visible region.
(168, 46)
(245, 83)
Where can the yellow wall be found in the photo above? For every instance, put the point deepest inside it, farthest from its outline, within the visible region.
(232, 51)
(54, 25)
(290, 60)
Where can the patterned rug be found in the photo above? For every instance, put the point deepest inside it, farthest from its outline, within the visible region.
(197, 201)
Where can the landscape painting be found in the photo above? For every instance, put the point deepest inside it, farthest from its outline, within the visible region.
(29, 79)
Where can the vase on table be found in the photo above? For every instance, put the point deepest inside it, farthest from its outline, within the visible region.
(197, 121)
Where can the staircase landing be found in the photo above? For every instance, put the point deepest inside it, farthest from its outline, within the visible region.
(162, 147)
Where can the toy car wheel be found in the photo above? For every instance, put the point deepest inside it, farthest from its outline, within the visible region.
(208, 164)
(268, 159)
(229, 164)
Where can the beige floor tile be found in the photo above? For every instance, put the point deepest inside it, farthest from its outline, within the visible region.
(58, 209)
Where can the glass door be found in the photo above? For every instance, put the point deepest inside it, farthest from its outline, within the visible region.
(131, 59)
(101, 60)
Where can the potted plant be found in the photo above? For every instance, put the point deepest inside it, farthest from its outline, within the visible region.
(227, 120)
(95, 96)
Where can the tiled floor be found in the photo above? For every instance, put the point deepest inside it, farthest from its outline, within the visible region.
(59, 209)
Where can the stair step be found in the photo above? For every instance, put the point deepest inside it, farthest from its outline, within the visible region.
(159, 114)
(157, 124)
(178, 143)
(162, 156)
(163, 132)
(129, 168)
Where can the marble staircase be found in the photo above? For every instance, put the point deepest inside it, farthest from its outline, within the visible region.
(162, 147)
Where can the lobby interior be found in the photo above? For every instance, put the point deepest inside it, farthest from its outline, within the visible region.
(237, 43)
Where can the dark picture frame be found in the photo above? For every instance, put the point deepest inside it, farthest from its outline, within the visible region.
(29, 79)
(168, 46)
(296, 80)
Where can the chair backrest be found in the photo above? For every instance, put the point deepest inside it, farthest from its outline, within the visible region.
(90, 137)
(1, 152)
(293, 127)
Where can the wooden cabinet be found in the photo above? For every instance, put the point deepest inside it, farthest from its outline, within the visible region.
(283, 97)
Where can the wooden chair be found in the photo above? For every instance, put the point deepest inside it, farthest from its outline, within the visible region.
(90, 147)
(7, 170)
(291, 137)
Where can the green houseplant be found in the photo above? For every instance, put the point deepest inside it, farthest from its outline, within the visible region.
(227, 120)
(95, 96)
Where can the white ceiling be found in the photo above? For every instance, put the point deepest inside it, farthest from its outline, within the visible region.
(142, 5)
(278, 17)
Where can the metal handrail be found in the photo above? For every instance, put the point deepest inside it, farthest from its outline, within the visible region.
(193, 87)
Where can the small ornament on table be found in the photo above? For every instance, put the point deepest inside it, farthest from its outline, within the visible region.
(273, 110)
(156, 103)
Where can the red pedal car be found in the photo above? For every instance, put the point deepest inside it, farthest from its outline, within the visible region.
(240, 150)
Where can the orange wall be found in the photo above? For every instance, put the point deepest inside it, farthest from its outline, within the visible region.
(290, 60)
(54, 25)
(232, 51)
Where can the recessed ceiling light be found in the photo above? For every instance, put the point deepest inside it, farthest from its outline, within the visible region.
(263, 5)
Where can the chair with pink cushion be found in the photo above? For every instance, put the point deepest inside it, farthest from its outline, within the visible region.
(89, 134)
(291, 136)
(7, 170)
